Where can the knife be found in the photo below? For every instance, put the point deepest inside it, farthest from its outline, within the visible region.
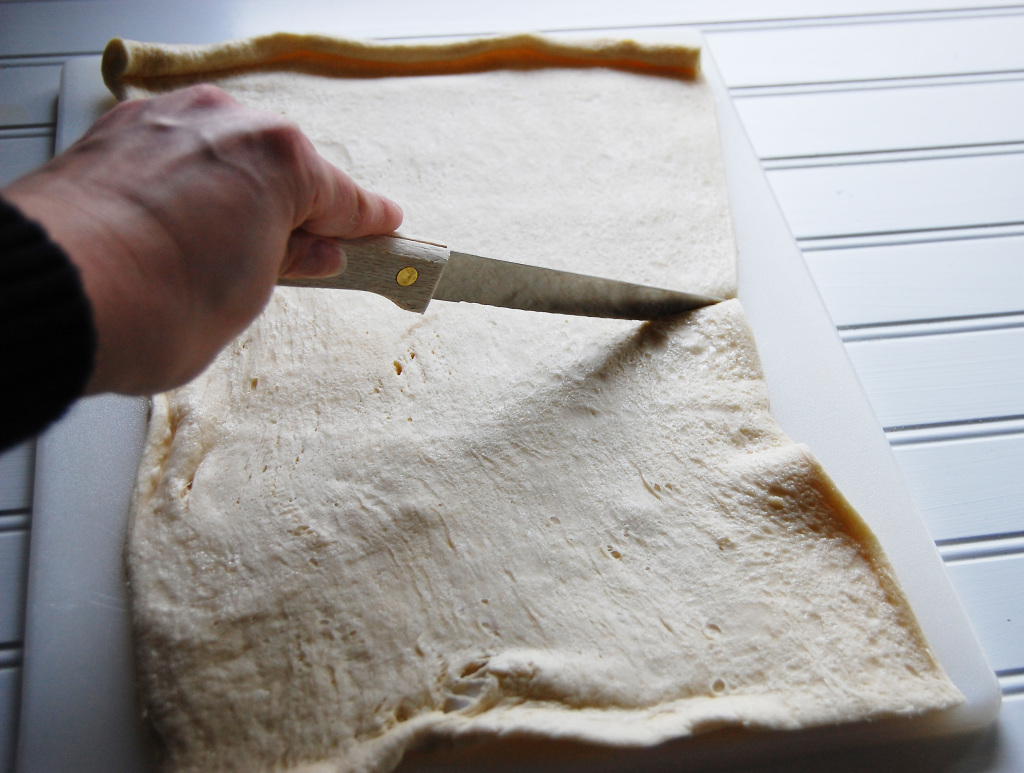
(412, 273)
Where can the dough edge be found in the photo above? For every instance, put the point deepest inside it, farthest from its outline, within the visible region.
(129, 63)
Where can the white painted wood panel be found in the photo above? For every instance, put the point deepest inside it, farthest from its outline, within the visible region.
(861, 120)
(10, 679)
(20, 155)
(28, 94)
(13, 570)
(938, 379)
(931, 280)
(852, 52)
(992, 592)
(970, 487)
(900, 197)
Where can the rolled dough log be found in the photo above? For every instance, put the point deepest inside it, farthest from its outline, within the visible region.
(361, 529)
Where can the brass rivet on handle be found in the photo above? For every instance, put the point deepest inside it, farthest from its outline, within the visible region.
(407, 276)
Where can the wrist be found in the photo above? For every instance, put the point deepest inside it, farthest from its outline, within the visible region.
(107, 273)
(50, 338)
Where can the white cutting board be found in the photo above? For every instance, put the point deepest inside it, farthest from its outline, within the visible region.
(79, 710)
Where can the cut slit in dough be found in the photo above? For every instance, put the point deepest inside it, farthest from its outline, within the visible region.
(362, 530)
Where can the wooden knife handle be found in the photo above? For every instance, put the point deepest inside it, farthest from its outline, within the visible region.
(404, 271)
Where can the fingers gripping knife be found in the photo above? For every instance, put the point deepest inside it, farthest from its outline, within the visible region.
(412, 273)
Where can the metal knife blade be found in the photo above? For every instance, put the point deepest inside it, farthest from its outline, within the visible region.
(411, 273)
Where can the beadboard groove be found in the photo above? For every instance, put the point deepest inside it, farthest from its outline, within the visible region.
(917, 328)
(963, 431)
(973, 548)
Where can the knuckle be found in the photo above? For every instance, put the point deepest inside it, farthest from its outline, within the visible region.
(284, 139)
(121, 113)
(287, 149)
(207, 95)
(130, 107)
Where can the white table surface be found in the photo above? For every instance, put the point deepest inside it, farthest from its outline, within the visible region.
(893, 137)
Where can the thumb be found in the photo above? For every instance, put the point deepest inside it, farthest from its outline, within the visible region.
(311, 256)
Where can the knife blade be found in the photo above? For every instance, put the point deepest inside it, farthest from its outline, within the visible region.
(412, 273)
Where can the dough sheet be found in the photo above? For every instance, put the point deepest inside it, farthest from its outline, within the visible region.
(363, 530)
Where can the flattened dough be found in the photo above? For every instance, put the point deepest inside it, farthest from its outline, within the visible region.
(362, 529)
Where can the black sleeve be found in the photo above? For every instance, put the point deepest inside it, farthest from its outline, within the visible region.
(46, 328)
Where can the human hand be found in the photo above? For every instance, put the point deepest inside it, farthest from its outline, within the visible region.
(180, 213)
